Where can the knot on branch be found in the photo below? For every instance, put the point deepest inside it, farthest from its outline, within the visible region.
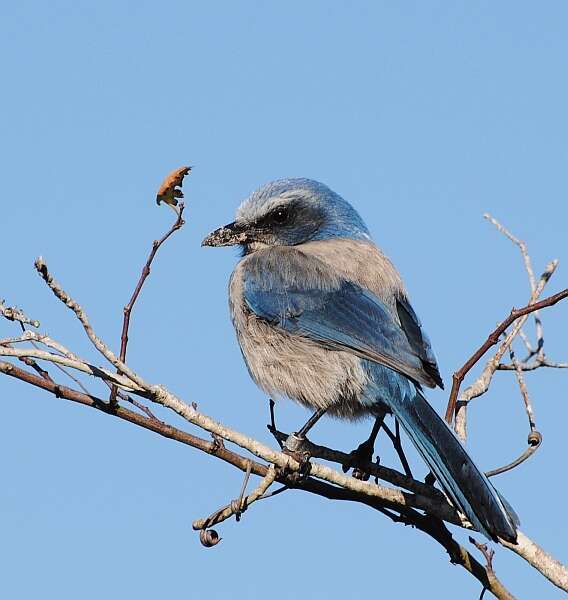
(238, 507)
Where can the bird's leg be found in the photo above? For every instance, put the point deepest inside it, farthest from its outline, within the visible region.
(272, 425)
(295, 441)
(320, 412)
(363, 454)
(397, 445)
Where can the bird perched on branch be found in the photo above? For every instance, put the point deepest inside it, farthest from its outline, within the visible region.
(322, 317)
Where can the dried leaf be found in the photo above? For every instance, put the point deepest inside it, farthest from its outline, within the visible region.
(170, 190)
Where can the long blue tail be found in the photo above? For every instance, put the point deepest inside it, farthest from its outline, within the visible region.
(468, 488)
(465, 484)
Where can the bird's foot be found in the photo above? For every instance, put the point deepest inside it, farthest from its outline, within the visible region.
(294, 446)
(359, 459)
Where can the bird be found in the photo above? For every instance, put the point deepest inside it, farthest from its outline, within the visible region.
(323, 318)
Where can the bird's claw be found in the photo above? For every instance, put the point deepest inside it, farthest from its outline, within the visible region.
(293, 447)
(358, 459)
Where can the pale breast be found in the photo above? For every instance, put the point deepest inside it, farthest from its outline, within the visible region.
(293, 366)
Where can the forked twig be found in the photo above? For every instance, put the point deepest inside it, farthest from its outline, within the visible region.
(532, 282)
(492, 340)
(237, 507)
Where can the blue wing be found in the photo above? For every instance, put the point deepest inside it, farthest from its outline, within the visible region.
(418, 339)
(304, 296)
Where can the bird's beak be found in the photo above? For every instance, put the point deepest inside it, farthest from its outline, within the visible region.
(230, 235)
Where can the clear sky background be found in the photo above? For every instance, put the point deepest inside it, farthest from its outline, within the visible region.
(424, 115)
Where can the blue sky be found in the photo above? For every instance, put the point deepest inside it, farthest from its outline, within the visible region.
(424, 115)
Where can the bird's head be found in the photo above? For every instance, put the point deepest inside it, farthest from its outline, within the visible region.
(289, 212)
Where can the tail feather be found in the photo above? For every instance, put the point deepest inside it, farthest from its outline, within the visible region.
(465, 484)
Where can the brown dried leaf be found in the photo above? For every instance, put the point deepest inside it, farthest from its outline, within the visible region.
(170, 190)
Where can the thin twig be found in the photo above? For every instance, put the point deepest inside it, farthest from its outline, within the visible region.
(284, 488)
(138, 405)
(523, 389)
(78, 365)
(239, 507)
(493, 339)
(481, 385)
(532, 366)
(534, 441)
(236, 508)
(63, 296)
(31, 334)
(37, 368)
(178, 224)
(527, 344)
(532, 281)
(487, 552)
(522, 247)
(534, 438)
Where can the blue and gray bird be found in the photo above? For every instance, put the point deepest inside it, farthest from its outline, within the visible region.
(322, 317)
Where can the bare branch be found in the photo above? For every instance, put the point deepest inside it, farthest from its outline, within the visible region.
(373, 469)
(534, 439)
(62, 295)
(359, 490)
(523, 388)
(428, 524)
(522, 247)
(78, 365)
(481, 385)
(532, 282)
(238, 507)
(541, 560)
(178, 224)
(532, 366)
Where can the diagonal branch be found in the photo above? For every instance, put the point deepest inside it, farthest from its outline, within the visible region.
(238, 507)
(386, 497)
(428, 524)
(179, 223)
(532, 282)
(492, 340)
(481, 385)
(62, 295)
(372, 468)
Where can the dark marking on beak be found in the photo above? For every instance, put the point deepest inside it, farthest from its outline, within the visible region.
(230, 235)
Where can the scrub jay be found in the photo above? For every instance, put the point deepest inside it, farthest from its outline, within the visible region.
(322, 317)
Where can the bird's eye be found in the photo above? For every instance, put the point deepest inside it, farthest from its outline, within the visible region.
(280, 216)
